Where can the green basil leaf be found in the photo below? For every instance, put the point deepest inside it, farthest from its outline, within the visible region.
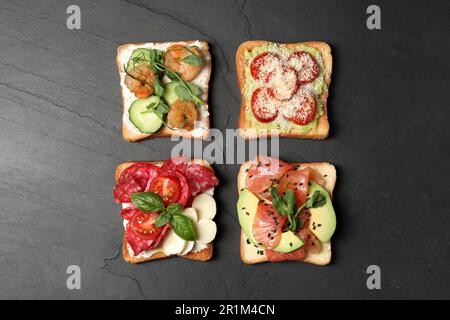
(184, 93)
(159, 89)
(175, 208)
(163, 219)
(192, 60)
(184, 227)
(148, 201)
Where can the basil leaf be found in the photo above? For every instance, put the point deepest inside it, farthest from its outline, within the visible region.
(163, 219)
(175, 208)
(184, 93)
(147, 201)
(184, 227)
(159, 89)
(192, 60)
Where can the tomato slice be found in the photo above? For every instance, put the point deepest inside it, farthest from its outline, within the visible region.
(306, 66)
(263, 64)
(268, 226)
(264, 106)
(143, 224)
(167, 187)
(296, 181)
(283, 83)
(301, 109)
(263, 172)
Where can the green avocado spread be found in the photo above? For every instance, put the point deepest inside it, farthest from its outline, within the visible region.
(317, 87)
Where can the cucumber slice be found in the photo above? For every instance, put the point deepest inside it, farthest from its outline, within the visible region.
(169, 92)
(141, 54)
(145, 122)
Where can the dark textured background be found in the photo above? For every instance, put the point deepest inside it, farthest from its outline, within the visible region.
(60, 142)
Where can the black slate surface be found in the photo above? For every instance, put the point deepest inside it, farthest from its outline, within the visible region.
(60, 142)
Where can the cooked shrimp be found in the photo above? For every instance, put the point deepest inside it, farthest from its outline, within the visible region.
(182, 115)
(140, 80)
(177, 52)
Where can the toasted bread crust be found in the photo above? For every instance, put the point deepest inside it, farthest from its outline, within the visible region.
(203, 255)
(322, 130)
(165, 132)
(322, 258)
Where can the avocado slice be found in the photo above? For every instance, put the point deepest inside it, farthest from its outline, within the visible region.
(247, 206)
(323, 219)
(169, 92)
(289, 242)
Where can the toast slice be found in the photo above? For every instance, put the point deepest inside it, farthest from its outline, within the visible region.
(129, 131)
(128, 256)
(249, 253)
(246, 130)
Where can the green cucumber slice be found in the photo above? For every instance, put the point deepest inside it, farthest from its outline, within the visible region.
(169, 92)
(144, 120)
(140, 54)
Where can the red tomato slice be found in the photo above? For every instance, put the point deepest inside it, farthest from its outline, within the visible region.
(263, 64)
(296, 181)
(143, 224)
(297, 255)
(301, 109)
(264, 106)
(268, 226)
(167, 187)
(306, 66)
(283, 83)
(263, 172)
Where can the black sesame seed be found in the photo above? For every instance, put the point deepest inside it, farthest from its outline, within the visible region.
(325, 175)
(248, 241)
(290, 244)
(309, 184)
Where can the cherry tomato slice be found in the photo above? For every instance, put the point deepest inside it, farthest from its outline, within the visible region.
(264, 106)
(143, 224)
(306, 66)
(167, 187)
(263, 64)
(301, 109)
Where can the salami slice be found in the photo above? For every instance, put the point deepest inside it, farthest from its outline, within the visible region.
(200, 178)
(125, 187)
(138, 244)
(175, 164)
(134, 179)
(129, 212)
